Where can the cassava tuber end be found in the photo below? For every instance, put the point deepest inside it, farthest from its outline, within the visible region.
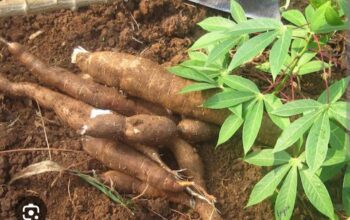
(121, 157)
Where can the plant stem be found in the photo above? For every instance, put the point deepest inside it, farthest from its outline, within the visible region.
(291, 67)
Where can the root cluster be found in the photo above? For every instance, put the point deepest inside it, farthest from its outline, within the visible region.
(125, 130)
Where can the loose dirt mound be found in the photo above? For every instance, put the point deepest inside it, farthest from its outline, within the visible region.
(160, 30)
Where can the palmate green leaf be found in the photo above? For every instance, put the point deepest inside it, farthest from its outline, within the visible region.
(237, 12)
(295, 17)
(266, 157)
(295, 131)
(217, 24)
(268, 184)
(279, 52)
(317, 142)
(297, 107)
(297, 46)
(336, 91)
(339, 111)
(228, 99)
(210, 38)
(272, 103)
(241, 84)
(221, 49)
(311, 67)
(318, 19)
(339, 138)
(335, 156)
(285, 200)
(229, 128)
(255, 25)
(252, 48)
(252, 125)
(316, 192)
(346, 191)
(189, 73)
(197, 87)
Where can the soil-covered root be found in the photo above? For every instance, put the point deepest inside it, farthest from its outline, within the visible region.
(196, 131)
(188, 159)
(147, 129)
(87, 91)
(143, 78)
(128, 184)
(121, 157)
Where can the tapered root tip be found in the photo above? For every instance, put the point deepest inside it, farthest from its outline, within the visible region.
(75, 53)
(2, 40)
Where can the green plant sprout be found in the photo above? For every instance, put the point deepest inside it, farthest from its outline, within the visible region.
(314, 143)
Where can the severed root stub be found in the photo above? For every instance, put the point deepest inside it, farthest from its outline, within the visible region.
(127, 184)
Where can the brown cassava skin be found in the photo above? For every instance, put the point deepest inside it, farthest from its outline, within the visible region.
(188, 158)
(197, 131)
(147, 129)
(128, 184)
(143, 78)
(121, 157)
(85, 90)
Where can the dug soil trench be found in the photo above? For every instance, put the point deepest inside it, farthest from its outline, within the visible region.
(160, 30)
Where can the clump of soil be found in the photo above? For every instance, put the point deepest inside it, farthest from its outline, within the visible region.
(160, 30)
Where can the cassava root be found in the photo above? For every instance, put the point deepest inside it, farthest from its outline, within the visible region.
(85, 90)
(118, 156)
(147, 129)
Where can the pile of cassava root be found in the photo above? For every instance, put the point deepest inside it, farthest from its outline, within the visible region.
(125, 130)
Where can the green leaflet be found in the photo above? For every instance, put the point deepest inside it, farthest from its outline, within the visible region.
(297, 46)
(295, 130)
(266, 157)
(189, 73)
(333, 17)
(237, 12)
(335, 156)
(271, 104)
(340, 112)
(336, 90)
(328, 172)
(339, 138)
(196, 55)
(221, 49)
(228, 99)
(267, 185)
(317, 142)
(229, 128)
(346, 191)
(237, 110)
(295, 17)
(306, 57)
(210, 38)
(285, 200)
(297, 107)
(316, 192)
(252, 48)
(311, 67)
(197, 87)
(217, 24)
(241, 84)
(254, 26)
(252, 125)
(309, 13)
(279, 52)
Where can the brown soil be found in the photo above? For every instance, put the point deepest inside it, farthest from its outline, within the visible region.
(160, 30)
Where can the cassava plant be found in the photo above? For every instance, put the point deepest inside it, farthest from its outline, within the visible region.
(314, 143)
